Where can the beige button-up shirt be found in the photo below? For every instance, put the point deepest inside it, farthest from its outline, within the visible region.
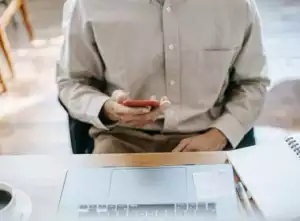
(206, 56)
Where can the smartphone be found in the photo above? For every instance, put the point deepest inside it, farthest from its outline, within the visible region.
(141, 103)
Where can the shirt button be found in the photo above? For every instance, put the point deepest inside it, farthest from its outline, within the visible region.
(172, 82)
(168, 9)
(171, 47)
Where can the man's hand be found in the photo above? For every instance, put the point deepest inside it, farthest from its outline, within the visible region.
(148, 118)
(138, 117)
(115, 111)
(212, 140)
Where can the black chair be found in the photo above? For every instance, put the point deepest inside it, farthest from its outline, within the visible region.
(81, 142)
(248, 140)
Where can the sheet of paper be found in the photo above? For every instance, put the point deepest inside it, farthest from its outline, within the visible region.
(211, 184)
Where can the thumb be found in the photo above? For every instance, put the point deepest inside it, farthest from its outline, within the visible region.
(153, 98)
(119, 96)
(181, 146)
(164, 104)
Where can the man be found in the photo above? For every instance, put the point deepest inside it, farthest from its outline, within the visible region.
(203, 59)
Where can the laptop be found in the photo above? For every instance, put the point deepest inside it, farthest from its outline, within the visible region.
(188, 192)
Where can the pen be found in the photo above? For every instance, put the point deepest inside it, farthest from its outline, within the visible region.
(244, 198)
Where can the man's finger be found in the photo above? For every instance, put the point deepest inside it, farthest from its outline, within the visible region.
(164, 104)
(181, 146)
(153, 98)
(153, 115)
(158, 112)
(123, 110)
(189, 148)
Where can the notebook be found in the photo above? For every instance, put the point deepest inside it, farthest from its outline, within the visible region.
(271, 174)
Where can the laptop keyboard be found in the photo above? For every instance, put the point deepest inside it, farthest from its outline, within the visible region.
(149, 210)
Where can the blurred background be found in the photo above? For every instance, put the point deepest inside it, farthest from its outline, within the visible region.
(33, 122)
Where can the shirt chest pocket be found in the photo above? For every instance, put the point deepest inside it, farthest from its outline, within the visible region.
(210, 77)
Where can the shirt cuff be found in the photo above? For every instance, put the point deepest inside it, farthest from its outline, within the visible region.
(105, 120)
(233, 130)
(93, 110)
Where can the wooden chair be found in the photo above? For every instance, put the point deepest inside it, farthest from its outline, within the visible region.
(2, 83)
(6, 3)
(13, 7)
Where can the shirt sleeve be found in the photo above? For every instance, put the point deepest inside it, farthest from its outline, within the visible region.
(78, 63)
(247, 98)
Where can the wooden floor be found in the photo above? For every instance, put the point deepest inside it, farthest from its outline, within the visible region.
(32, 122)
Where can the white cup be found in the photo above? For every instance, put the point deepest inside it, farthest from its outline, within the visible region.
(7, 212)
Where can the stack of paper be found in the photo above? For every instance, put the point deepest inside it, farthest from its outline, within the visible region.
(272, 175)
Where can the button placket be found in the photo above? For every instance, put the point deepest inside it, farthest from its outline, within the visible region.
(172, 58)
(172, 65)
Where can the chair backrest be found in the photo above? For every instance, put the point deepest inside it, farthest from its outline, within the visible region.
(81, 142)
